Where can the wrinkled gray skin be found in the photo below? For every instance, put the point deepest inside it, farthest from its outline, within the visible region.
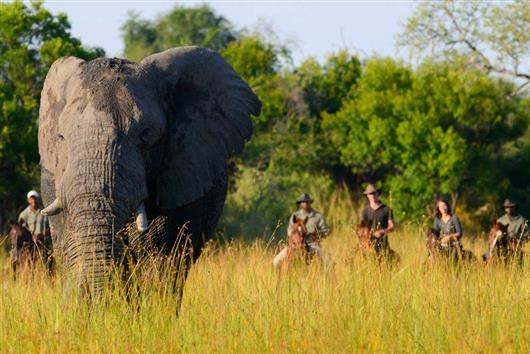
(114, 134)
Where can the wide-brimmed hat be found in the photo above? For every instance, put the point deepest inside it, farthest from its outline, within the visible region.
(509, 203)
(32, 194)
(304, 197)
(370, 189)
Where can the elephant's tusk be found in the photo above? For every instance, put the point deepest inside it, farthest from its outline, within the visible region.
(141, 218)
(53, 209)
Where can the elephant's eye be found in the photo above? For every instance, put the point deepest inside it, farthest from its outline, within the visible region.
(60, 137)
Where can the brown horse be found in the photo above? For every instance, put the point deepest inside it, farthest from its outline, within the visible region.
(436, 249)
(507, 247)
(23, 248)
(297, 244)
(371, 245)
(364, 236)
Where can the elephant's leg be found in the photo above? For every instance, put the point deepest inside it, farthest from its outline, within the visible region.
(200, 217)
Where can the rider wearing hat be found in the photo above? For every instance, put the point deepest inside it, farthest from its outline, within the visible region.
(37, 224)
(380, 219)
(517, 224)
(316, 225)
(31, 217)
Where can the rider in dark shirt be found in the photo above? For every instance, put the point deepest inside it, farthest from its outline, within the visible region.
(380, 219)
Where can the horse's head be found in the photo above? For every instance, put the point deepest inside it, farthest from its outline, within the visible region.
(362, 229)
(432, 238)
(364, 234)
(432, 233)
(498, 230)
(299, 231)
(15, 229)
(18, 234)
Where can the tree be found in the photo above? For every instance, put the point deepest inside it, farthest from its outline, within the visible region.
(427, 133)
(364, 130)
(495, 38)
(31, 39)
(327, 86)
(180, 27)
(492, 36)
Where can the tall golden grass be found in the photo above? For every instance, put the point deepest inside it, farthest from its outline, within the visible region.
(235, 302)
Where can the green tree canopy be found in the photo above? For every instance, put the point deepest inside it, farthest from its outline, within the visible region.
(427, 133)
(492, 36)
(180, 27)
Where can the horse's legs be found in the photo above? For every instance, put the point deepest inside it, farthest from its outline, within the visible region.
(315, 249)
(281, 259)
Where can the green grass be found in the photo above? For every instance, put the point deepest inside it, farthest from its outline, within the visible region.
(234, 302)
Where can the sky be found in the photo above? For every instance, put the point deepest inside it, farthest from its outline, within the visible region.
(310, 28)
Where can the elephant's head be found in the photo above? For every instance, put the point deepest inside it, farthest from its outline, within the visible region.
(113, 134)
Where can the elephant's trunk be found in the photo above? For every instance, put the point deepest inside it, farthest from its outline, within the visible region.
(99, 199)
(91, 246)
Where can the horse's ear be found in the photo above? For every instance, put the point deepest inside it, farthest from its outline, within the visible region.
(305, 219)
(295, 219)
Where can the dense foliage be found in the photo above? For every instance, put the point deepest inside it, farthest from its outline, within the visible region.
(181, 26)
(442, 128)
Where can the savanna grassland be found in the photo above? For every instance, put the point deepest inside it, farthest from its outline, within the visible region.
(234, 302)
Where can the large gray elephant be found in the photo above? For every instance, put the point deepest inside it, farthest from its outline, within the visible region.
(123, 142)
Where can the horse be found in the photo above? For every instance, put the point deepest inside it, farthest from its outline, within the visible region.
(371, 245)
(23, 248)
(436, 249)
(432, 241)
(364, 236)
(297, 244)
(507, 247)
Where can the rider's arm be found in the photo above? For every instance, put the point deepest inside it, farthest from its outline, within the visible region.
(381, 232)
(322, 227)
(22, 218)
(458, 227)
(436, 225)
(391, 226)
(290, 226)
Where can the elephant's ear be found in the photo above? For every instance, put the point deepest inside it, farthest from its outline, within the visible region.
(208, 109)
(54, 98)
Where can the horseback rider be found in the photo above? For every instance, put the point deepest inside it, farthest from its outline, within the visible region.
(517, 224)
(380, 219)
(37, 224)
(448, 226)
(316, 225)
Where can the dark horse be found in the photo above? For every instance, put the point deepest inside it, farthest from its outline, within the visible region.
(23, 249)
(508, 248)
(297, 245)
(436, 249)
(27, 249)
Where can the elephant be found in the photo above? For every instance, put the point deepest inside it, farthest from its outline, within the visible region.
(122, 143)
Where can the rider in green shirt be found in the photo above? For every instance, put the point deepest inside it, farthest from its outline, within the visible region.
(517, 224)
(316, 226)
